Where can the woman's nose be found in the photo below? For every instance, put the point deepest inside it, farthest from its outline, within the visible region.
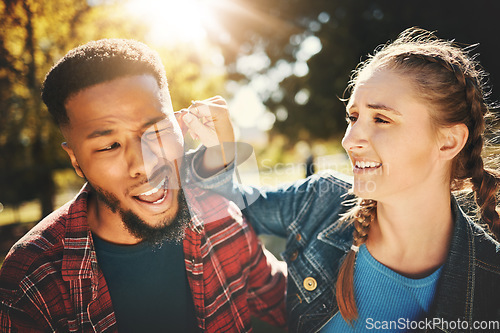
(355, 137)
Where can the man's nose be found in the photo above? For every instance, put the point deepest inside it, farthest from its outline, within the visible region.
(136, 160)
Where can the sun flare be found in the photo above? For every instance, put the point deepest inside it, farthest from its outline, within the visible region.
(175, 21)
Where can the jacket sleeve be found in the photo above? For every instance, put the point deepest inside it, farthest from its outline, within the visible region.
(272, 210)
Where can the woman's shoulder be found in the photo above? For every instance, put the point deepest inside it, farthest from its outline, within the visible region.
(487, 249)
(327, 190)
(321, 211)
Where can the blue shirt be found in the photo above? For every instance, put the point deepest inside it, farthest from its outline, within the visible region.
(385, 299)
(148, 286)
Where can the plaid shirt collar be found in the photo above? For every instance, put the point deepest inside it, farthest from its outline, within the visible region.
(79, 258)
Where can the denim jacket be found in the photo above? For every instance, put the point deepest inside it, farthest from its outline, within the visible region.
(307, 214)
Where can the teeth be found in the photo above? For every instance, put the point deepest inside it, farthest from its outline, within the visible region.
(366, 164)
(161, 199)
(156, 189)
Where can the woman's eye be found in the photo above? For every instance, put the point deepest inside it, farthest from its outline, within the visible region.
(381, 120)
(350, 119)
(110, 147)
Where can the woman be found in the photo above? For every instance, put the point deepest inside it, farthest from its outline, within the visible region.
(403, 256)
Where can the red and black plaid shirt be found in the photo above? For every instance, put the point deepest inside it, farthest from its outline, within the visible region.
(51, 281)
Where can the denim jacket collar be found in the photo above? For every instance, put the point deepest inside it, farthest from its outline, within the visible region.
(337, 235)
(457, 286)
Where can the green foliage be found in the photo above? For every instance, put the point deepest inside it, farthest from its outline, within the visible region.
(33, 36)
(348, 31)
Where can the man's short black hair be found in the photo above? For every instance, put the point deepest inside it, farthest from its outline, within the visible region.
(97, 62)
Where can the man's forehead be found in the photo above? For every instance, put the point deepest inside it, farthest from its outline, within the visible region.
(136, 99)
(121, 87)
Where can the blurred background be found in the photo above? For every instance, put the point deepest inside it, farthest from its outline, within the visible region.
(283, 66)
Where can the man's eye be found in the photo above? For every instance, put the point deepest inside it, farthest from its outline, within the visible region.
(110, 147)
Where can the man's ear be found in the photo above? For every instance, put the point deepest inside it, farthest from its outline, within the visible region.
(452, 140)
(72, 157)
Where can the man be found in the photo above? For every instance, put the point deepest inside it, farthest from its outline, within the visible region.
(133, 252)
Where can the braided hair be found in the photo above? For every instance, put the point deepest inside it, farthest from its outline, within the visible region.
(447, 78)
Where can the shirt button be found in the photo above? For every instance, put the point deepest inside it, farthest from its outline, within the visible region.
(294, 255)
(298, 237)
(310, 283)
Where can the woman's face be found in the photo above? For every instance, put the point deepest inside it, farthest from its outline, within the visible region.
(390, 139)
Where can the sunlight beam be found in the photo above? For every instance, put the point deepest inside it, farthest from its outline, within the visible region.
(174, 21)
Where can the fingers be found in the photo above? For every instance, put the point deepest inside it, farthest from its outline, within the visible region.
(209, 108)
(208, 120)
(200, 131)
(179, 116)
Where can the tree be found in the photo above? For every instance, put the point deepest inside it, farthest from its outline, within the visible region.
(34, 35)
(308, 106)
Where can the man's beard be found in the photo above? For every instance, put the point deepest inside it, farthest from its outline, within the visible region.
(170, 229)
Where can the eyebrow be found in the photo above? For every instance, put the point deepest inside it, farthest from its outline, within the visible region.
(105, 132)
(383, 108)
(98, 133)
(154, 121)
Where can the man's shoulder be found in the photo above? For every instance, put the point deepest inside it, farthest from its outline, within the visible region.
(40, 246)
(212, 209)
(46, 233)
(222, 222)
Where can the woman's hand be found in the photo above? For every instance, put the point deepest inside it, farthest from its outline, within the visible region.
(209, 122)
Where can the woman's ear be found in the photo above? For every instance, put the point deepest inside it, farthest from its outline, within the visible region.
(452, 140)
(72, 157)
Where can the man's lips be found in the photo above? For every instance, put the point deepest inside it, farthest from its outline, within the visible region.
(156, 195)
(154, 192)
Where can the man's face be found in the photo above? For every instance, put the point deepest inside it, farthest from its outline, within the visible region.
(112, 142)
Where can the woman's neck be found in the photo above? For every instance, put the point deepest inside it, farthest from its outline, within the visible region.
(412, 235)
